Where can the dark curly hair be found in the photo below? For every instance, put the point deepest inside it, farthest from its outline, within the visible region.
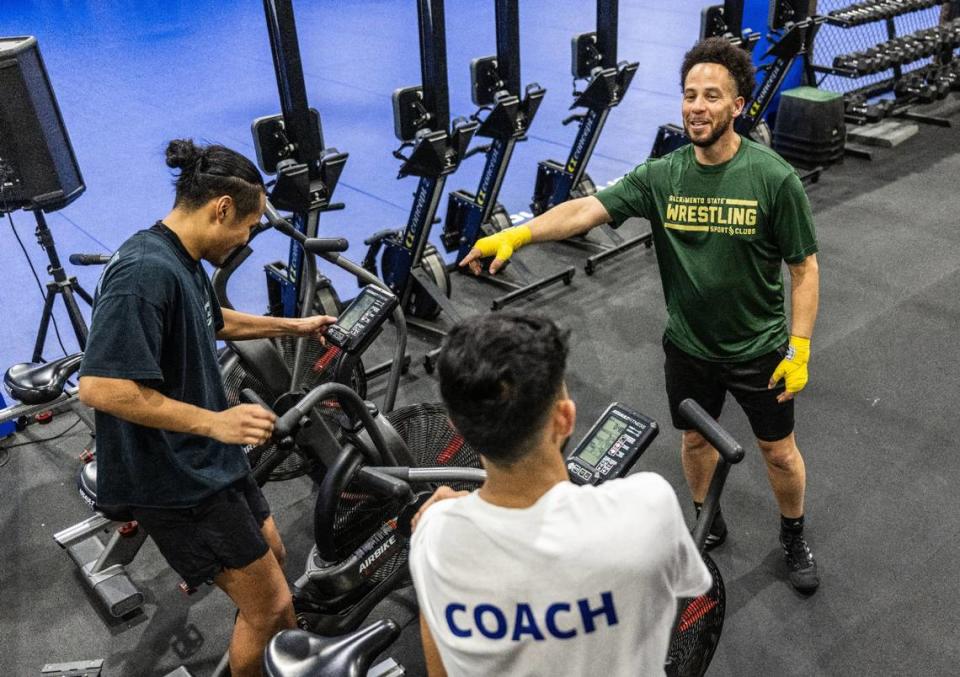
(735, 59)
(499, 376)
(207, 172)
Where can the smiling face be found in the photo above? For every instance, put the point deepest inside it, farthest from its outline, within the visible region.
(710, 104)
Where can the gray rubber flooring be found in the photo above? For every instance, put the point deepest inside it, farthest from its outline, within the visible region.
(875, 426)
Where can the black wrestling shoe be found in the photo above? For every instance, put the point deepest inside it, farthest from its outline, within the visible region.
(801, 563)
(718, 531)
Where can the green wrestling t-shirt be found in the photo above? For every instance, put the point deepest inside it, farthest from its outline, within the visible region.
(720, 233)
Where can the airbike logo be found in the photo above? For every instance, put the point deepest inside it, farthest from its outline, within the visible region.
(718, 215)
(380, 551)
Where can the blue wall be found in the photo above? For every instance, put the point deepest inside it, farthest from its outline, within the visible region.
(130, 76)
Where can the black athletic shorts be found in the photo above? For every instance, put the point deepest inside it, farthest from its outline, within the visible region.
(708, 382)
(222, 532)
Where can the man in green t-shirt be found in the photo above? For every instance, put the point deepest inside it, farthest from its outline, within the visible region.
(725, 212)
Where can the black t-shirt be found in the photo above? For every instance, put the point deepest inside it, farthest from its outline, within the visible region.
(155, 319)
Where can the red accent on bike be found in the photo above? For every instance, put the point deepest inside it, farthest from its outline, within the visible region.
(329, 355)
(129, 529)
(695, 610)
(455, 445)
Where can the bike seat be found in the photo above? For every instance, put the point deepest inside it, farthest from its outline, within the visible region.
(40, 383)
(87, 484)
(297, 653)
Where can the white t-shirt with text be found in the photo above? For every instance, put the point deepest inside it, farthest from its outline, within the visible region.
(583, 582)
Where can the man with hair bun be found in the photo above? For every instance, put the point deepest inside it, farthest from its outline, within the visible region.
(725, 212)
(168, 445)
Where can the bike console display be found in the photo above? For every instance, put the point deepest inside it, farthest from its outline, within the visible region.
(360, 322)
(613, 445)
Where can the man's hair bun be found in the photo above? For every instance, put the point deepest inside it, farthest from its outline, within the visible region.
(183, 154)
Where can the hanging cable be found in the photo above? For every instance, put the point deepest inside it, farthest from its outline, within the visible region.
(26, 254)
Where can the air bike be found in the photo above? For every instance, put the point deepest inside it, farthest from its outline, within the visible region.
(385, 468)
(290, 145)
(280, 370)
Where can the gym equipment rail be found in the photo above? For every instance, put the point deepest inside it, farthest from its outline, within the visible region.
(496, 88)
(594, 58)
(409, 264)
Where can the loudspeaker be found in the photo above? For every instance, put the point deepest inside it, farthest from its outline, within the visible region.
(37, 164)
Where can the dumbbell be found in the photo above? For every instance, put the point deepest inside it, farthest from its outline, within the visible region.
(854, 104)
(861, 12)
(946, 80)
(881, 57)
(951, 35)
(898, 52)
(872, 59)
(914, 47)
(939, 86)
(887, 10)
(877, 10)
(857, 62)
(883, 107)
(904, 87)
(926, 92)
(952, 73)
(912, 87)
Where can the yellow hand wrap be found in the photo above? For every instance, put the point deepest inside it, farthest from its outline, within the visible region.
(793, 367)
(504, 243)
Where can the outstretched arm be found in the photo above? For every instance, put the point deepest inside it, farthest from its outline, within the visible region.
(239, 326)
(565, 220)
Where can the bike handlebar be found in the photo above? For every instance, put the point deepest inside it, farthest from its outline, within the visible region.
(707, 426)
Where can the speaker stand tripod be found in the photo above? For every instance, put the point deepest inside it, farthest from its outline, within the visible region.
(64, 286)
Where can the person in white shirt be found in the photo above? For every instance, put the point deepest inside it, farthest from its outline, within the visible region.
(532, 574)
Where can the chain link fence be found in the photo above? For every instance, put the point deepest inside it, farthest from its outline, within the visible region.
(833, 40)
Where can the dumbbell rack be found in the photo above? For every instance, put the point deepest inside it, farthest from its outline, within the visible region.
(889, 46)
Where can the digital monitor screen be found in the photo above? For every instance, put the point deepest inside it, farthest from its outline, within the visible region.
(603, 440)
(355, 312)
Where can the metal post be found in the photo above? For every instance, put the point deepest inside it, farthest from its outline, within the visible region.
(607, 32)
(733, 16)
(433, 62)
(61, 285)
(293, 92)
(508, 44)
